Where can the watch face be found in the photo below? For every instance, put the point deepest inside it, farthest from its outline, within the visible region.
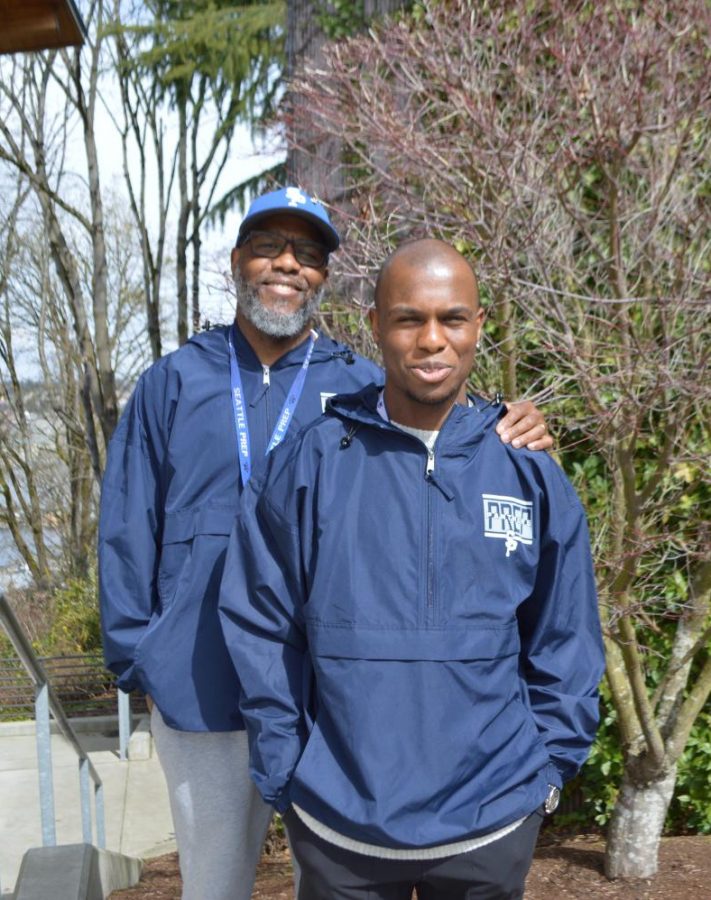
(552, 800)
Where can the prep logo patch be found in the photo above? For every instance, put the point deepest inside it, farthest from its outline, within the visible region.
(508, 518)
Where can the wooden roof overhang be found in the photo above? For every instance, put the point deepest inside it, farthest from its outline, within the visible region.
(39, 25)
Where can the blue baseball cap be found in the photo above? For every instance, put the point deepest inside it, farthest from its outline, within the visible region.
(296, 202)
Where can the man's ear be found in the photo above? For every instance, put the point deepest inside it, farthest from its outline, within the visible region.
(374, 324)
(234, 260)
(480, 316)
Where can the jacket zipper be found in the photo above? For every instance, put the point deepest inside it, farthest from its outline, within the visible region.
(429, 575)
(429, 470)
(266, 381)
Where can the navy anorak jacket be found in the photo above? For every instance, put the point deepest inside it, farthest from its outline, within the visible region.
(417, 634)
(169, 499)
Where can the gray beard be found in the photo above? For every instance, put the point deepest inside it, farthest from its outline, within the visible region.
(275, 324)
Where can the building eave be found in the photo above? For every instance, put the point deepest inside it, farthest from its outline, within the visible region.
(27, 25)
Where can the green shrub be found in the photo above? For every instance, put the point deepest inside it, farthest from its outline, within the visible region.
(599, 779)
(75, 626)
(690, 809)
(6, 648)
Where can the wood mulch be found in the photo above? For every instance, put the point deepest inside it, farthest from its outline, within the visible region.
(564, 868)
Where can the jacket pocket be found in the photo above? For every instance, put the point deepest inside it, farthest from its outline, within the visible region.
(182, 660)
(387, 710)
(179, 533)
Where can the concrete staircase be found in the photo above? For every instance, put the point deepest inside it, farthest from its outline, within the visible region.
(138, 821)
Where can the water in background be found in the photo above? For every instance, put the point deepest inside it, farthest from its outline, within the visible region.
(13, 569)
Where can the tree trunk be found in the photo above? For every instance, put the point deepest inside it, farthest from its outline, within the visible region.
(108, 411)
(636, 827)
(305, 162)
(505, 313)
(181, 264)
(141, 118)
(314, 163)
(195, 241)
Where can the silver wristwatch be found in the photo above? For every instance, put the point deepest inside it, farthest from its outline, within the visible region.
(551, 802)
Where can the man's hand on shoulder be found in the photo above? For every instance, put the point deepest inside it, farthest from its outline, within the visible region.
(524, 426)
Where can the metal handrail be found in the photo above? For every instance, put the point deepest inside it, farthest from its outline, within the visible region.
(82, 683)
(46, 701)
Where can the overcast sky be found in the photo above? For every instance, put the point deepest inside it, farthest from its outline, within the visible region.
(246, 159)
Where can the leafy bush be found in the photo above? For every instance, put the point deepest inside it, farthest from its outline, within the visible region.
(690, 810)
(6, 648)
(60, 621)
(75, 626)
(597, 783)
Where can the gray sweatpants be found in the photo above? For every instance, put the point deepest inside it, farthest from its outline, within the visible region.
(220, 820)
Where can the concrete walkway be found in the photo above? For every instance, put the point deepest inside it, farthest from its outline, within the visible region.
(138, 821)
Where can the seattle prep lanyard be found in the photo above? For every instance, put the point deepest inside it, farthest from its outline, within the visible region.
(240, 408)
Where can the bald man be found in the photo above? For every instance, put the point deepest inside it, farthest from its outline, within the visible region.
(411, 607)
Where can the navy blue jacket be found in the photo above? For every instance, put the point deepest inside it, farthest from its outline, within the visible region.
(169, 498)
(419, 653)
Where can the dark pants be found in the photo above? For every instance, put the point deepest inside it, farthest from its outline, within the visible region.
(496, 871)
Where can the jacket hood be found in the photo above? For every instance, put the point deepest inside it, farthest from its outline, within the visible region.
(464, 425)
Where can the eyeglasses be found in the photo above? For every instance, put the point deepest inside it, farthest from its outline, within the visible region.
(271, 244)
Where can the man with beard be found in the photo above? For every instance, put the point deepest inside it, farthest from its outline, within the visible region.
(199, 424)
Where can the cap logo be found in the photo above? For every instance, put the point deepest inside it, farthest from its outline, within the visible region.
(295, 197)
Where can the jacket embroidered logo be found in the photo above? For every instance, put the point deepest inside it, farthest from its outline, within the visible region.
(508, 518)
